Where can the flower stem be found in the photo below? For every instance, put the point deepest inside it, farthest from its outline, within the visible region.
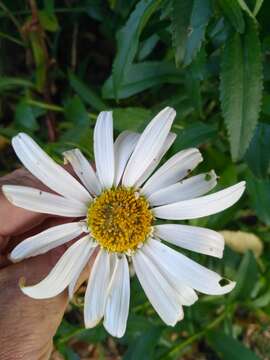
(180, 346)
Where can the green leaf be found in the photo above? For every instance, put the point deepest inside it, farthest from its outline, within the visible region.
(244, 6)
(48, 21)
(128, 40)
(258, 154)
(143, 76)
(194, 135)
(147, 46)
(201, 14)
(143, 347)
(79, 130)
(233, 13)
(75, 112)
(247, 270)
(229, 348)
(194, 75)
(87, 94)
(25, 116)
(189, 21)
(7, 83)
(131, 118)
(257, 7)
(181, 14)
(241, 88)
(259, 192)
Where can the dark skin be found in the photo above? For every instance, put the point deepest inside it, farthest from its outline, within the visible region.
(27, 326)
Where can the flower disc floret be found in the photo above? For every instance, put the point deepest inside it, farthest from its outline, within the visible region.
(120, 220)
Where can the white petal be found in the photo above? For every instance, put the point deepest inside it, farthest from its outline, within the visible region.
(47, 170)
(202, 206)
(40, 201)
(193, 238)
(73, 283)
(117, 306)
(62, 273)
(96, 292)
(104, 149)
(46, 240)
(175, 169)
(191, 273)
(186, 189)
(123, 148)
(167, 144)
(83, 170)
(43, 202)
(148, 146)
(186, 294)
(159, 291)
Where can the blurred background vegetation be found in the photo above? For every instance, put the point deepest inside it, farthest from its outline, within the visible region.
(64, 61)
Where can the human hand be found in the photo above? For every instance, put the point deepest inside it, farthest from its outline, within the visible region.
(27, 326)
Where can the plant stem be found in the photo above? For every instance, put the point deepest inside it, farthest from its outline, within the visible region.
(45, 106)
(11, 38)
(52, 107)
(178, 347)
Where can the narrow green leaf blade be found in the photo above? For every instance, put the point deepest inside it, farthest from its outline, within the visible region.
(189, 21)
(244, 6)
(7, 83)
(181, 13)
(233, 13)
(128, 40)
(201, 14)
(247, 270)
(241, 88)
(25, 116)
(257, 7)
(143, 76)
(230, 348)
(259, 192)
(258, 154)
(87, 94)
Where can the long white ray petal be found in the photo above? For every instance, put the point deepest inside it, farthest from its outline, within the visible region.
(167, 144)
(191, 273)
(96, 292)
(43, 202)
(46, 240)
(104, 149)
(186, 294)
(193, 238)
(62, 273)
(175, 169)
(77, 273)
(148, 146)
(159, 291)
(202, 206)
(123, 148)
(47, 170)
(117, 306)
(83, 170)
(186, 189)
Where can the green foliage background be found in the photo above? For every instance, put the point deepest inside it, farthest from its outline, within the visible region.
(64, 61)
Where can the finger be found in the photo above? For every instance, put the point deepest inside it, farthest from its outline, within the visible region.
(28, 323)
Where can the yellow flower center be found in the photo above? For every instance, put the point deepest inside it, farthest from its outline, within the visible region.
(119, 219)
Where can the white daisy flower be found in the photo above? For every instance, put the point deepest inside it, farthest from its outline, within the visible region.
(117, 207)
